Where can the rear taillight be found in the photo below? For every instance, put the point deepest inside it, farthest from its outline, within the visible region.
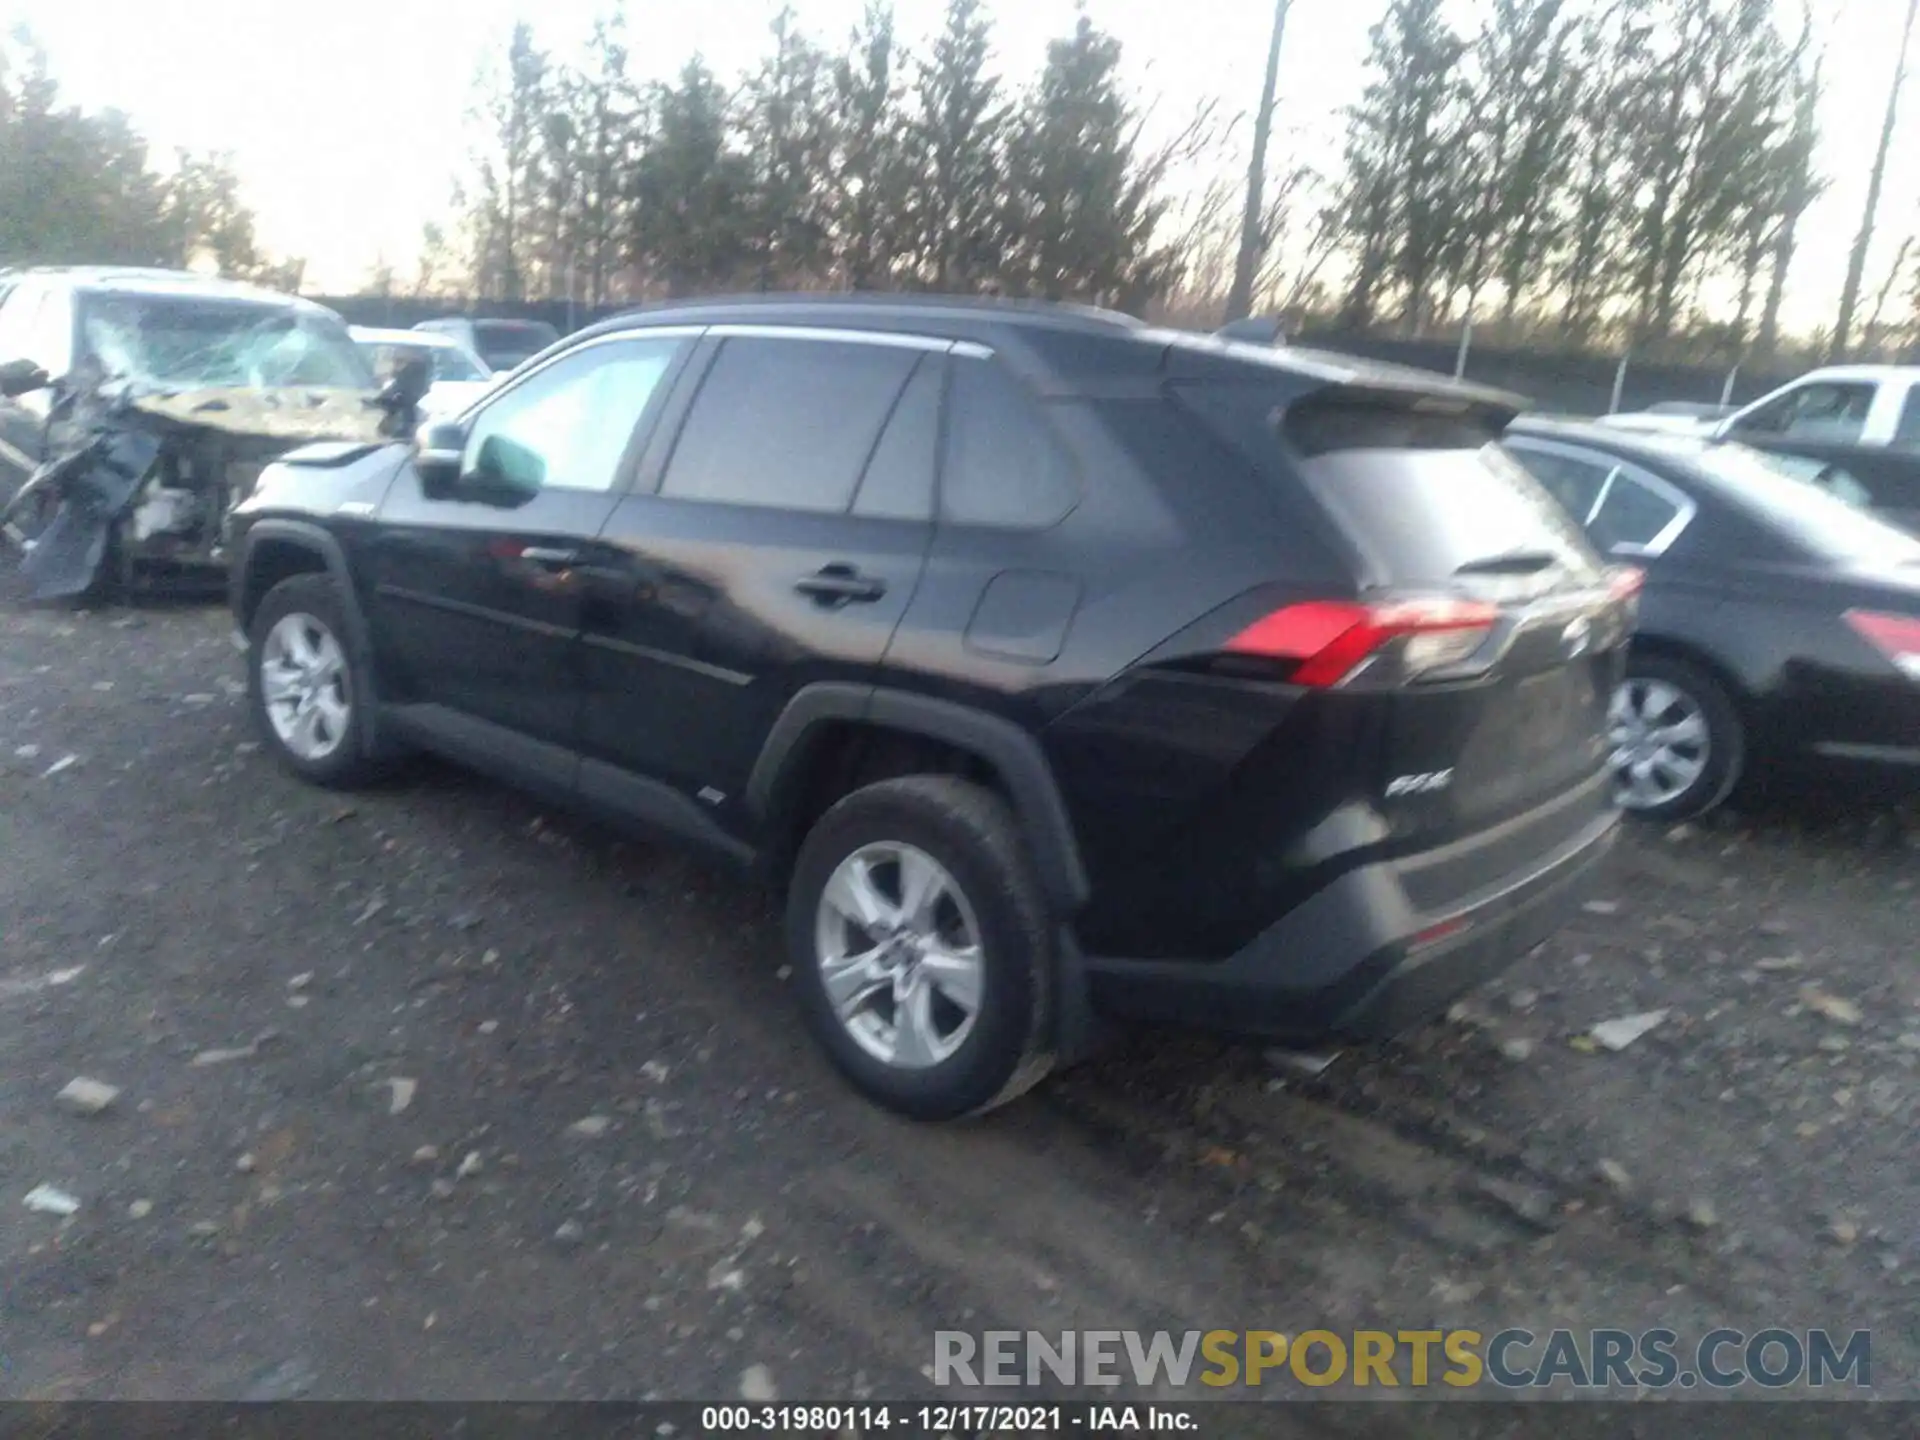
(1895, 636)
(1328, 642)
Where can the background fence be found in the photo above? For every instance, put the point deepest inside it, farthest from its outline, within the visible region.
(1562, 383)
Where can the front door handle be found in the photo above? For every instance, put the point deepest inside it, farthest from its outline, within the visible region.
(836, 585)
(544, 555)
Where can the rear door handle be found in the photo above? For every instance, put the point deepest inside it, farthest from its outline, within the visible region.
(545, 555)
(836, 585)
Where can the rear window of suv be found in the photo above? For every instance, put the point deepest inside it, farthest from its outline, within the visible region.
(1427, 497)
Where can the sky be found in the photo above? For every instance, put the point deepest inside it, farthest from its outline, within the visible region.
(347, 119)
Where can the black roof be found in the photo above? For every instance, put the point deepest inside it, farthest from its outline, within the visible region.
(1057, 340)
(877, 310)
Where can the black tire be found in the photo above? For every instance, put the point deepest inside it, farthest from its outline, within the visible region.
(972, 834)
(1726, 737)
(348, 765)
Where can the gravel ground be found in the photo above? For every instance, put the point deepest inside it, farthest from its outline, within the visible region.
(434, 1093)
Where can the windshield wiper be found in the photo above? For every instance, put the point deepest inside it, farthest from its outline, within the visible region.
(1512, 562)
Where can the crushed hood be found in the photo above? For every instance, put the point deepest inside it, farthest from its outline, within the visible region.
(290, 414)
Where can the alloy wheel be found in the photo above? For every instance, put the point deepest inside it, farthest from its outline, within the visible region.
(899, 953)
(303, 682)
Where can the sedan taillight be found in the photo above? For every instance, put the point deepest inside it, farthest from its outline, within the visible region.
(1895, 636)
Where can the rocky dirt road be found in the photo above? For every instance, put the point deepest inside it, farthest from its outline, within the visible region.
(432, 1093)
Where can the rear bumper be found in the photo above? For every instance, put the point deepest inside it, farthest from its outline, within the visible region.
(1359, 961)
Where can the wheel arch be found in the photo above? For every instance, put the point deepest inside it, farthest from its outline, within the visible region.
(276, 550)
(808, 753)
(1666, 647)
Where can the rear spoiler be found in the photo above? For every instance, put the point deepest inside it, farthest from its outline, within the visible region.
(1254, 330)
(1345, 389)
(1411, 417)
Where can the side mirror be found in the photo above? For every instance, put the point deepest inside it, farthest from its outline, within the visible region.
(19, 377)
(438, 448)
(505, 472)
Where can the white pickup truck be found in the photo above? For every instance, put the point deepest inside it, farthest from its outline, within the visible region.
(1836, 405)
(1852, 429)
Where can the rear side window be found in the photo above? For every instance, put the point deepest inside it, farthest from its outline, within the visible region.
(1576, 484)
(786, 423)
(1004, 465)
(1630, 514)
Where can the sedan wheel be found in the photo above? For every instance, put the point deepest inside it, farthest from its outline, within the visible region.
(1662, 743)
(303, 682)
(899, 954)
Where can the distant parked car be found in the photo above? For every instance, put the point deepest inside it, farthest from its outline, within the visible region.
(1868, 405)
(459, 376)
(503, 344)
(1779, 625)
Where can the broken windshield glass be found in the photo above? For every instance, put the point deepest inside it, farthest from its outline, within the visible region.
(198, 344)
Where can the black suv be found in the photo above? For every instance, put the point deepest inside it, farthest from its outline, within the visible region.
(1058, 666)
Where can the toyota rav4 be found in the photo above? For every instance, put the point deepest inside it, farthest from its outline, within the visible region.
(1058, 668)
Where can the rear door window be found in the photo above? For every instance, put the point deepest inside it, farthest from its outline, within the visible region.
(898, 484)
(787, 423)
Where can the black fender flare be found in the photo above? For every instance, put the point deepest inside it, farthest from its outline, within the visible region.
(1014, 753)
(307, 535)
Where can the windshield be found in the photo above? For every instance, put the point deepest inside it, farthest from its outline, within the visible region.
(194, 343)
(1827, 526)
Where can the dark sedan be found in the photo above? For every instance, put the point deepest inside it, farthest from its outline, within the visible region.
(1779, 625)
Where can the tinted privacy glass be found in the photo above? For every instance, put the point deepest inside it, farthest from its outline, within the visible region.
(1428, 514)
(786, 423)
(1004, 465)
(1630, 514)
(899, 479)
(568, 426)
(1575, 483)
